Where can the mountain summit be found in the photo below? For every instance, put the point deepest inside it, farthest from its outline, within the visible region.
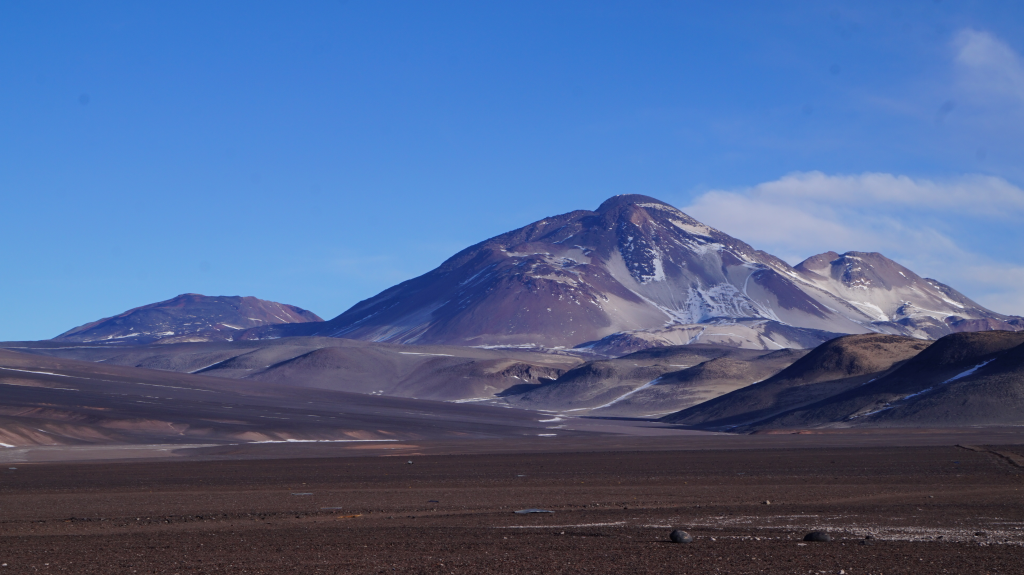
(640, 271)
(188, 317)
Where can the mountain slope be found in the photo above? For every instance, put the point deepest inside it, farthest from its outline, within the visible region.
(829, 369)
(652, 381)
(188, 317)
(961, 379)
(695, 385)
(634, 265)
(989, 393)
(893, 294)
(425, 372)
(57, 401)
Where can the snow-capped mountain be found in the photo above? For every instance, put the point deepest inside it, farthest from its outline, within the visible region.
(638, 266)
(188, 317)
(892, 294)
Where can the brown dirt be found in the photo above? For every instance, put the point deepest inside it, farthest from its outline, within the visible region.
(454, 513)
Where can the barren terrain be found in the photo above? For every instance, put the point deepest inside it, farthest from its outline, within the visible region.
(926, 509)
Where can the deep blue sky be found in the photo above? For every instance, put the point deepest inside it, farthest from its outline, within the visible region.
(319, 152)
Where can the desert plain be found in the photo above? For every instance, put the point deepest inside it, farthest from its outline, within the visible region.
(942, 501)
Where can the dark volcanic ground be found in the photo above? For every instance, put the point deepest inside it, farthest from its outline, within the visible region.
(931, 509)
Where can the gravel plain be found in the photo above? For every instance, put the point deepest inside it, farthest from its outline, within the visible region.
(928, 509)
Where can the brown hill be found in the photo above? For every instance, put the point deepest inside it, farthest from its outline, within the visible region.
(681, 389)
(831, 368)
(961, 379)
(651, 381)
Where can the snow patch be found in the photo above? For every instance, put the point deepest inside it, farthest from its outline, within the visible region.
(870, 307)
(320, 440)
(968, 372)
(39, 372)
(892, 404)
(696, 230)
(627, 394)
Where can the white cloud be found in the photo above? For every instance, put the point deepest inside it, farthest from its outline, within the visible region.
(976, 194)
(803, 214)
(988, 66)
(1003, 286)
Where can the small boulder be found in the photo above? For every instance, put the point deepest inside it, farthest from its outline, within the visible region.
(817, 537)
(678, 536)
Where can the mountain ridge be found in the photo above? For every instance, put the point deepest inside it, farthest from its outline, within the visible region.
(637, 266)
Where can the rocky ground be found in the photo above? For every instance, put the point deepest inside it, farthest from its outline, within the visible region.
(927, 509)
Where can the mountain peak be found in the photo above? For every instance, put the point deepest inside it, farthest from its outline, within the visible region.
(639, 265)
(628, 200)
(188, 317)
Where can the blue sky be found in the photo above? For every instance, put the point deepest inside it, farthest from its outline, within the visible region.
(317, 154)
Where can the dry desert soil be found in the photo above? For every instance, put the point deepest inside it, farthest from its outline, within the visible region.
(889, 509)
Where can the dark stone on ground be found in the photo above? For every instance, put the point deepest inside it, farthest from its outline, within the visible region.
(678, 536)
(818, 537)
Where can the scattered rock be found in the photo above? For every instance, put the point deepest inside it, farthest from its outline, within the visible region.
(980, 534)
(678, 536)
(766, 502)
(818, 537)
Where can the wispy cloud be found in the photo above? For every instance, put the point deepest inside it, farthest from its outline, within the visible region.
(976, 194)
(905, 218)
(989, 68)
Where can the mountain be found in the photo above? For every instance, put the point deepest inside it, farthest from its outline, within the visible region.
(892, 294)
(188, 317)
(961, 379)
(645, 274)
(831, 368)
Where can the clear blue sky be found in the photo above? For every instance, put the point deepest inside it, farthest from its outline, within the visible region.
(316, 153)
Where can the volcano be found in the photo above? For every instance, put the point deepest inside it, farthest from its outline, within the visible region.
(639, 273)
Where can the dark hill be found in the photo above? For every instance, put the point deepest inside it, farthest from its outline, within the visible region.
(827, 370)
(961, 379)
